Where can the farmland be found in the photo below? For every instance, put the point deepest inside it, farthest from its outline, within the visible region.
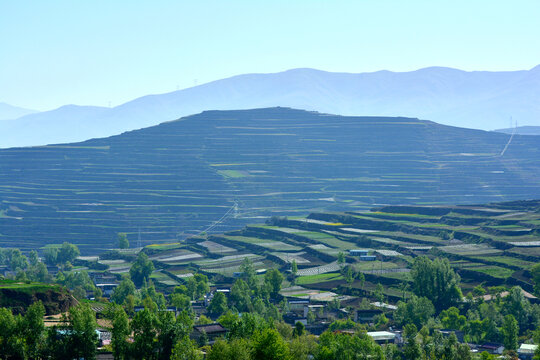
(219, 171)
(478, 255)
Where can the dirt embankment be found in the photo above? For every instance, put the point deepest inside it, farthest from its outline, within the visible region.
(54, 301)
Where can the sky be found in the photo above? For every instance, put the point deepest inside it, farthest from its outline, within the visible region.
(105, 53)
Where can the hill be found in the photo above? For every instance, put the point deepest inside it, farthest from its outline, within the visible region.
(490, 245)
(19, 295)
(13, 112)
(478, 99)
(521, 130)
(232, 167)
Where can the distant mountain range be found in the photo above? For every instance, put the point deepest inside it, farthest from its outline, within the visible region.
(220, 170)
(479, 99)
(522, 130)
(8, 112)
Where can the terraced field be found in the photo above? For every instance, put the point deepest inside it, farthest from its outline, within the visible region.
(220, 170)
(478, 255)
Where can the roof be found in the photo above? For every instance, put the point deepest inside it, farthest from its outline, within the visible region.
(505, 294)
(384, 305)
(527, 348)
(381, 335)
(490, 345)
(210, 328)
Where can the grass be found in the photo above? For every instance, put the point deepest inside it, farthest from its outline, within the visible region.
(375, 265)
(507, 260)
(28, 287)
(318, 278)
(265, 243)
(328, 240)
(168, 246)
(232, 173)
(495, 271)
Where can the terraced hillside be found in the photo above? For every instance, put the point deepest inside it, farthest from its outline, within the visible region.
(233, 167)
(490, 245)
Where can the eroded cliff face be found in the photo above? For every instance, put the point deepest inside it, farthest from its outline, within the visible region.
(54, 301)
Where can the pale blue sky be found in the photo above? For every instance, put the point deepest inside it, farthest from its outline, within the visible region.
(95, 52)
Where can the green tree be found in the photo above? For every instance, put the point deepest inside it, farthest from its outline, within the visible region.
(451, 319)
(33, 258)
(510, 332)
(303, 347)
(33, 330)
(273, 279)
(361, 279)
(349, 275)
(437, 281)
(123, 290)
(17, 260)
(180, 301)
(299, 329)
(11, 343)
(294, 267)
(141, 269)
(218, 304)
(269, 345)
(51, 255)
(120, 334)
(185, 349)
(235, 349)
(379, 293)
(248, 272)
(197, 286)
(417, 311)
(67, 253)
(123, 242)
(294, 271)
(241, 296)
(344, 346)
(535, 273)
(39, 273)
(145, 334)
(411, 350)
(84, 339)
(518, 306)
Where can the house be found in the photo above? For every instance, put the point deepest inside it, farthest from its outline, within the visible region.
(358, 252)
(107, 289)
(384, 305)
(385, 337)
(313, 308)
(213, 332)
(459, 334)
(526, 351)
(293, 318)
(104, 337)
(368, 258)
(492, 348)
(52, 270)
(3, 270)
(366, 315)
(297, 304)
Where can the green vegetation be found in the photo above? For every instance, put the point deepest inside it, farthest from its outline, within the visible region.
(171, 180)
(438, 278)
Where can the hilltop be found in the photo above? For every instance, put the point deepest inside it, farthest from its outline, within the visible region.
(8, 112)
(231, 167)
(478, 99)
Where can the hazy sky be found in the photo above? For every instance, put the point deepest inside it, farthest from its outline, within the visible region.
(95, 52)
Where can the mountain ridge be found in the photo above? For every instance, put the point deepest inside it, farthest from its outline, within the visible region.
(9, 112)
(477, 99)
